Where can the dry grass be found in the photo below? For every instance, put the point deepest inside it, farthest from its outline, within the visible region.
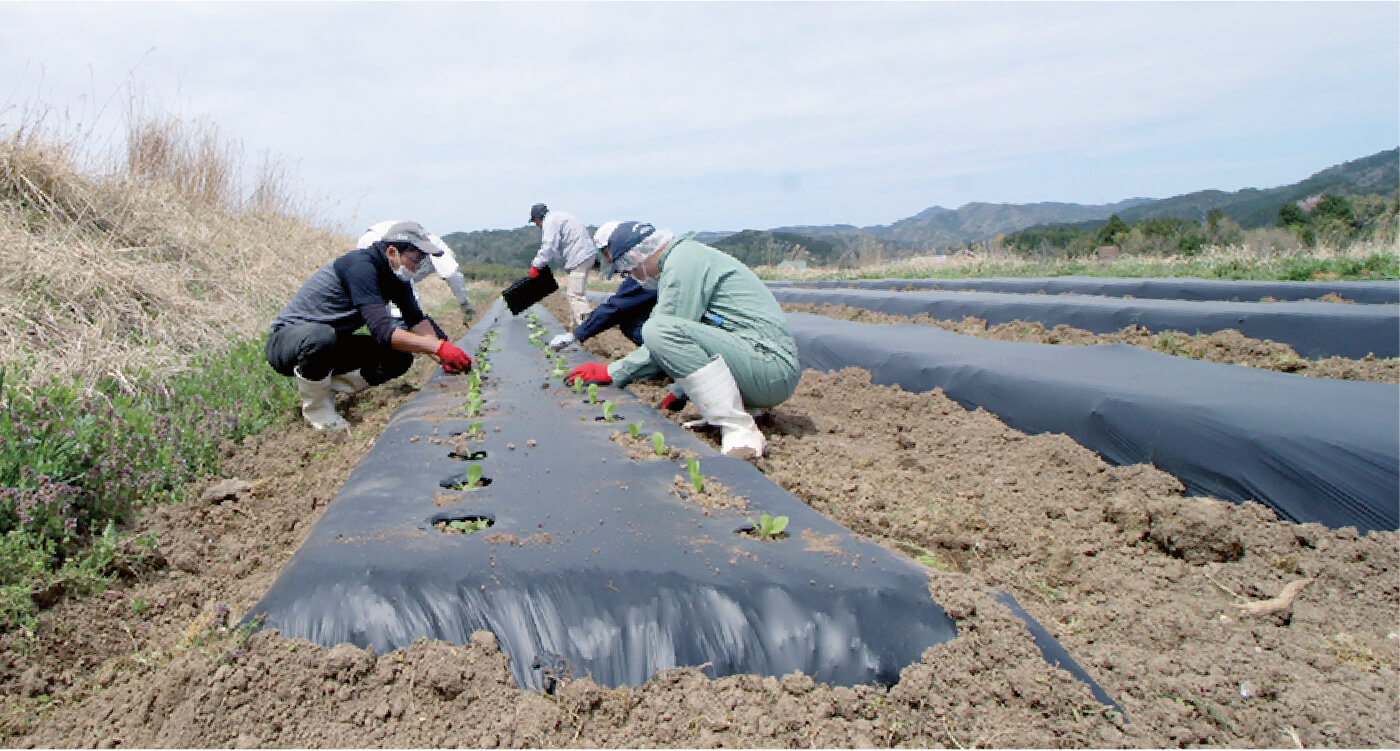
(1260, 247)
(126, 276)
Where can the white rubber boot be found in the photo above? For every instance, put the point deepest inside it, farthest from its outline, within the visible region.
(318, 404)
(715, 394)
(349, 383)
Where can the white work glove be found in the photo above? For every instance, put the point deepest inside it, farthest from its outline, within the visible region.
(561, 341)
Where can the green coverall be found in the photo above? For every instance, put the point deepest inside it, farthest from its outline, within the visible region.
(708, 303)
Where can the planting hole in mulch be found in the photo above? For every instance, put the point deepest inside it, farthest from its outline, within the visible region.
(750, 531)
(464, 525)
(472, 479)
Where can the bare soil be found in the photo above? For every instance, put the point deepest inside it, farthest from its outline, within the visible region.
(1150, 591)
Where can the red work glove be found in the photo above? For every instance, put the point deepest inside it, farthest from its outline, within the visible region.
(453, 359)
(589, 372)
(672, 403)
(534, 272)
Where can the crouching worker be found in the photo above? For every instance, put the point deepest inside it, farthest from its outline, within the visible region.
(716, 330)
(313, 339)
(444, 263)
(627, 308)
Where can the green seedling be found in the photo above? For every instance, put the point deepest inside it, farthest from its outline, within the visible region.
(634, 429)
(608, 409)
(592, 393)
(473, 480)
(577, 385)
(768, 527)
(474, 381)
(560, 369)
(474, 428)
(658, 444)
(474, 406)
(468, 526)
(486, 367)
(692, 467)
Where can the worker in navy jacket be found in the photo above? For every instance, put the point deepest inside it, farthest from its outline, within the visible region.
(627, 309)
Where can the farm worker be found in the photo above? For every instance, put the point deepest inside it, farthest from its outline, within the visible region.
(312, 339)
(445, 264)
(627, 308)
(564, 238)
(716, 330)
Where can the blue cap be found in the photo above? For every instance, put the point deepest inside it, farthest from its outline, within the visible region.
(624, 238)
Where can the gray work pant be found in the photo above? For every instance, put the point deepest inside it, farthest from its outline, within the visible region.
(316, 351)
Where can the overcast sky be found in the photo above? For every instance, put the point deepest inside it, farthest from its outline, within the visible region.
(728, 115)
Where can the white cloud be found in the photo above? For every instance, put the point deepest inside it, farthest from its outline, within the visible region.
(724, 115)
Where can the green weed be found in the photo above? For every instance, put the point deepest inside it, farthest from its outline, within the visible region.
(74, 463)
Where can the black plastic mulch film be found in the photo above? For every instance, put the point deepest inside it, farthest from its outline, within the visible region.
(591, 564)
(1313, 449)
(1179, 288)
(1313, 329)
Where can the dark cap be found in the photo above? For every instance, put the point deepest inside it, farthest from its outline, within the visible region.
(538, 211)
(410, 233)
(624, 238)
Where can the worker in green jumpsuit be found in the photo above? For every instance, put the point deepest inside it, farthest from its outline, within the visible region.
(716, 330)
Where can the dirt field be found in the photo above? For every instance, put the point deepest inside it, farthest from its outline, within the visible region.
(1150, 592)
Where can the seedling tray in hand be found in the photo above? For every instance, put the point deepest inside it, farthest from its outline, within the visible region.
(527, 291)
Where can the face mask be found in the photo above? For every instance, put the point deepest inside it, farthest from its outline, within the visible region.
(628, 261)
(649, 282)
(404, 273)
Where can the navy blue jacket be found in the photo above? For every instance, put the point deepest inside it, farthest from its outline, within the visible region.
(627, 309)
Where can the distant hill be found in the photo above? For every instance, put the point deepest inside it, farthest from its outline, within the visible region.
(510, 247)
(1252, 207)
(937, 229)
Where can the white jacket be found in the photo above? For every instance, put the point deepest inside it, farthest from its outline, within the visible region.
(564, 238)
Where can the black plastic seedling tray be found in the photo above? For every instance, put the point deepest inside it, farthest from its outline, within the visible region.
(527, 291)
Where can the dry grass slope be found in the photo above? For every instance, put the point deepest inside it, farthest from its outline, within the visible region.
(133, 273)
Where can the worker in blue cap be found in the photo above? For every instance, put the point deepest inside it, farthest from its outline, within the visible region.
(627, 308)
(716, 331)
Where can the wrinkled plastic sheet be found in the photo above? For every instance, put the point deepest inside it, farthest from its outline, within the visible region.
(1313, 329)
(594, 565)
(1312, 449)
(1181, 288)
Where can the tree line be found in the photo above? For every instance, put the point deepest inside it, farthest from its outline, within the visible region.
(1332, 220)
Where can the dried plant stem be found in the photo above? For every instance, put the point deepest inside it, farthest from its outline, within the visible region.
(1282, 602)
